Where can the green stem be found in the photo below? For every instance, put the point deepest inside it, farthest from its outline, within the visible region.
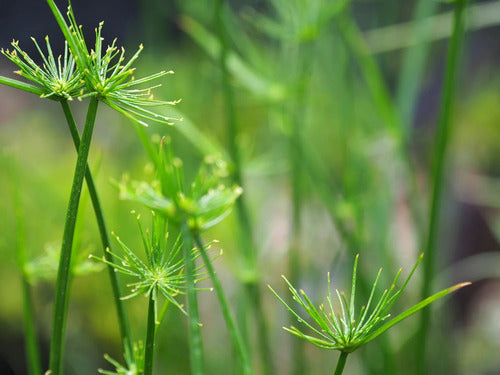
(371, 73)
(63, 273)
(150, 336)
(239, 346)
(31, 339)
(341, 363)
(266, 352)
(438, 174)
(123, 321)
(383, 101)
(296, 117)
(413, 65)
(195, 342)
(245, 230)
(30, 334)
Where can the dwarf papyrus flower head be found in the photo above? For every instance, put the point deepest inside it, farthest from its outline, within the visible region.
(346, 330)
(107, 74)
(56, 78)
(134, 362)
(203, 203)
(162, 270)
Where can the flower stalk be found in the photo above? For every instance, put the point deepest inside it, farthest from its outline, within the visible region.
(339, 369)
(123, 321)
(150, 335)
(63, 274)
(195, 341)
(239, 346)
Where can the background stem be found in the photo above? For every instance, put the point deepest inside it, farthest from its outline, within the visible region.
(30, 335)
(63, 273)
(241, 351)
(195, 342)
(252, 293)
(438, 175)
(123, 320)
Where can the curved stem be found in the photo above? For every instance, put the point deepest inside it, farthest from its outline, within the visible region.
(150, 336)
(195, 342)
(63, 273)
(438, 172)
(341, 363)
(233, 330)
(123, 320)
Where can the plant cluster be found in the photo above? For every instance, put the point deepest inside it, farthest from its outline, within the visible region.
(167, 271)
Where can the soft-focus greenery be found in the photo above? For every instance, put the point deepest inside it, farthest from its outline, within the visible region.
(335, 159)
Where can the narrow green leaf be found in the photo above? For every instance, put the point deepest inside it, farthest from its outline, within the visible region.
(414, 309)
(21, 85)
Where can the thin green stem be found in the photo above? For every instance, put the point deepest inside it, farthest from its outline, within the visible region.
(30, 334)
(245, 230)
(413, 65)
(296, 118)
(61, 301)
(371, 72)
(341, 363)
(123, 320)
(239, 346)
(150, 336)
(266, 352)
(438, 173)
(383, 101)
(195, 342)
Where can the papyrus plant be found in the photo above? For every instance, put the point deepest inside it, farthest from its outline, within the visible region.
(102, 75)
(346, 328)
(195, 207)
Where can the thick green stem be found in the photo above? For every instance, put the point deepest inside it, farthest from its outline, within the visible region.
(341, 363)
(239, 346)
(63, 273)
(150, 336)
(438, 174)
(195, 342)
(123, 321)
